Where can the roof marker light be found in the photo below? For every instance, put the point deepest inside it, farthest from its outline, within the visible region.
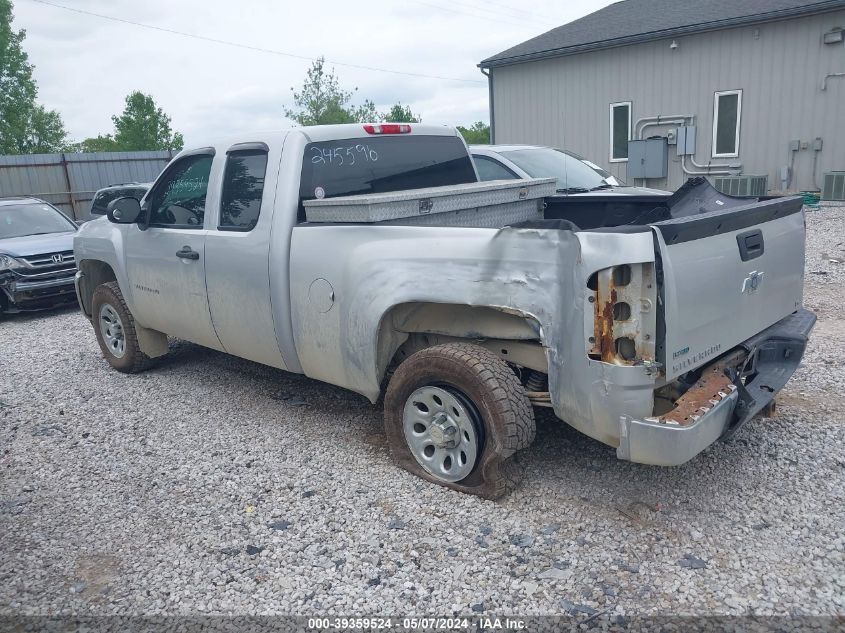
(387, 128)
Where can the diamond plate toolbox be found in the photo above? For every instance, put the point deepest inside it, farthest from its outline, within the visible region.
(479, 204)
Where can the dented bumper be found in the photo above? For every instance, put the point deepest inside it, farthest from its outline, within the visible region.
(721, 401)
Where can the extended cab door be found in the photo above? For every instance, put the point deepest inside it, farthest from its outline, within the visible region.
(238, 254)
(165, 262)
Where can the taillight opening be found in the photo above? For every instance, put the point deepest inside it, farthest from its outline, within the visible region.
(387, 128)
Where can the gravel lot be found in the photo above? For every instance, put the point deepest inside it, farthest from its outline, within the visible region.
(215, 485)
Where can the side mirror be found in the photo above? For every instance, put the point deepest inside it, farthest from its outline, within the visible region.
(124, 211)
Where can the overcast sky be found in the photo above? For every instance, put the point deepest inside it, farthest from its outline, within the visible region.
(86, 65)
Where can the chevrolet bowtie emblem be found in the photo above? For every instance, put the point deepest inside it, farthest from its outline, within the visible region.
(751, 283)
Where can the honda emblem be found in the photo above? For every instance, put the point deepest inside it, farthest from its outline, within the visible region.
(58, 258)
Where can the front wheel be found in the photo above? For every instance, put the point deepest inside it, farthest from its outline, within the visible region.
(114, 327)
(455, 414)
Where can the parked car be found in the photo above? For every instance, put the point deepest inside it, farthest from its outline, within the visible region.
(586, 194)
(369, 255)
(37, 266)
(105, 195)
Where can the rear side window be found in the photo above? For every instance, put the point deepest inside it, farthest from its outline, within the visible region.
(489, 169)
(243, 187)
(358, 166)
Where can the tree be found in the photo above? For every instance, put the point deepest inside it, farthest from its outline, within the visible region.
(144, 126)
(321, 100)
(25, 126)
(400, 114)
(476, 134)
(45, 132)
(100, 143)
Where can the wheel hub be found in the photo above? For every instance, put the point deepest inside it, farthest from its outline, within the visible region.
(444, 432)
(111, 329)
(441, 430)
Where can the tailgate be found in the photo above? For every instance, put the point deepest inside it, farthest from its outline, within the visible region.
(726, 276)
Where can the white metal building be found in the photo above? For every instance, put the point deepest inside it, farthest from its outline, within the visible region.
(752, 87)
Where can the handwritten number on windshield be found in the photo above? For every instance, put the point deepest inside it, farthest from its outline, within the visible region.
(343, 155)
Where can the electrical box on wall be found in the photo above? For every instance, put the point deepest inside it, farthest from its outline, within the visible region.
(648, 158)
(686, 140)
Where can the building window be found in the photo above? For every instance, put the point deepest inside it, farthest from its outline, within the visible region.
(727, 112)
(620, 131)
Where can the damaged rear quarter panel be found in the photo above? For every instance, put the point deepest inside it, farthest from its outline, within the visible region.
(538, 273)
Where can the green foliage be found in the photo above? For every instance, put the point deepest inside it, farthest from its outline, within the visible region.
(45, 134)
(400, 114)
(322, 101)
(101, 143)
(25, 126)
(144, 126)
(476, 134)
(365, 113)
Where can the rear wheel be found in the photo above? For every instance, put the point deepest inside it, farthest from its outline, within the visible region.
(114, 327)
(455, 414)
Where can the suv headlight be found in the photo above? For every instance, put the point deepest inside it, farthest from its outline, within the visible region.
(7, 262)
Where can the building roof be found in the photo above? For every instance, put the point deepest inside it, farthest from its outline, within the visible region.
(633, 21)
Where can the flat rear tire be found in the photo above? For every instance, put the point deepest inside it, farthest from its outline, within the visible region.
(455, 415)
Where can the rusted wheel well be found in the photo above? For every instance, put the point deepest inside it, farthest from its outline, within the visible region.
(95, 273)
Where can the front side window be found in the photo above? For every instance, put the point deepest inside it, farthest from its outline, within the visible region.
(620, 131)
(178, 200)
(243, 186)
(727, 110)
(489, 169)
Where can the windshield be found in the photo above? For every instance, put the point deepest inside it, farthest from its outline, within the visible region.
(19, 220)
(544, 162)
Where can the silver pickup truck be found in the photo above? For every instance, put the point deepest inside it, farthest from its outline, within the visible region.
(367, 256)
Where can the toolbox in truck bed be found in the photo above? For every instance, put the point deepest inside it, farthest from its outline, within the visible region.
(480, 204)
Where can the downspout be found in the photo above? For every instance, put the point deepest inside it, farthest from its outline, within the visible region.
(490, 101)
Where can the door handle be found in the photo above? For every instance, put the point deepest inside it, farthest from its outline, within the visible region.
(187, 253)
